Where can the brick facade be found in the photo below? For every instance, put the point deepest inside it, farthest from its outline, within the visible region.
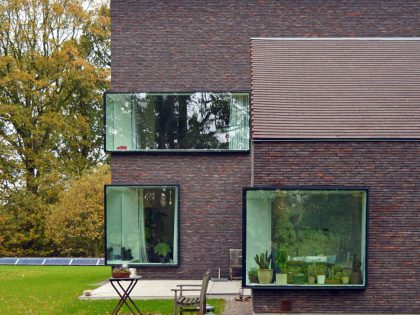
(391, 171)
(210, 205)
(176, 45)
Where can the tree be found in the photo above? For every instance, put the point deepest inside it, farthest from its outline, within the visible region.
(75, 224)
(51, 85)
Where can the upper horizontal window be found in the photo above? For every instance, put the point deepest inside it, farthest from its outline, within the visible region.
(177, 121)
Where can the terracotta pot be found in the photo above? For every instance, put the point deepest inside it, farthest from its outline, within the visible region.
(265, 276)
(120, 274)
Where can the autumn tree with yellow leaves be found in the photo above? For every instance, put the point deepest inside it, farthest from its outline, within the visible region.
(54, 67)
(75, 223)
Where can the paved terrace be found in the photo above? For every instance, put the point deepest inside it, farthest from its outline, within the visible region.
(161, 289)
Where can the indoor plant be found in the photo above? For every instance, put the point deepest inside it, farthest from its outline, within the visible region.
(163, 249)
(253, 275)
(281, 261)
(299, 278)
(311, 274)
(320, 274)
(265, 274)
(334, 276)
(345, 279)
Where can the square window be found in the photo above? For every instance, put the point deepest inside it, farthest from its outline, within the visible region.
(141, 226)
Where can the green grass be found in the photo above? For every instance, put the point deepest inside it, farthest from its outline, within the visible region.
(55, 290)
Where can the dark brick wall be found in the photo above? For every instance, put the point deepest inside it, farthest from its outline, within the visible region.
(210, 205)
(391, 170)
(177, 45)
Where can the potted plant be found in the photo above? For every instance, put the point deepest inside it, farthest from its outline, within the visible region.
(299, 278)
(281, 261)
(265, 274)
(334, 277)
(320, 274)
(253, 275)
(120, 272)
(311, 274)
(163, 249)
(345, 279)
(295, 268)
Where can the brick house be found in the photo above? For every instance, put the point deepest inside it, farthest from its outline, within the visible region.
(325, 178)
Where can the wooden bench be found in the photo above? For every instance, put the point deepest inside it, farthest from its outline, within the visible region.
(196, 304)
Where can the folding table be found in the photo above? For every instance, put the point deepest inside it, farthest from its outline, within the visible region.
(124, 293)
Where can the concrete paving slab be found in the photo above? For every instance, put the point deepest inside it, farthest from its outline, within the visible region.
(161, 289)
(233, 307)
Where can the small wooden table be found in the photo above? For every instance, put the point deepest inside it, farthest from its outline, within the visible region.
(124, 294)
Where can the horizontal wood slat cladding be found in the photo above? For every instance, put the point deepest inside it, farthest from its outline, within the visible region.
(329, 89)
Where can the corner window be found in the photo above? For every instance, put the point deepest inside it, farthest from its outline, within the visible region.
(305, 238)
(177, 121)
(141, 225)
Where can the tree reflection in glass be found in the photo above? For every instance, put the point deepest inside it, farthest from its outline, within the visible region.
(193, 121)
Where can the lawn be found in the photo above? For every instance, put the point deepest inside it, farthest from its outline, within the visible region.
(55, 290)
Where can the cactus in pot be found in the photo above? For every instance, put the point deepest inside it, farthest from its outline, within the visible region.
(265, 274)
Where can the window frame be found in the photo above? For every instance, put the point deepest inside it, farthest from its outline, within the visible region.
(362, 286)
(176, 151)
(177, 235)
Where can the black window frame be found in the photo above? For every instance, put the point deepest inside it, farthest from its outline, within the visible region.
(177, 151)
(362, 286)
(178, 235)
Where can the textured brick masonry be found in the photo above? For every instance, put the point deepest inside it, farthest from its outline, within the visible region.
(210, 205)
(176, 45)
(391, 171)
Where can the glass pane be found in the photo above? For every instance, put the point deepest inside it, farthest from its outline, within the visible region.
(305, 237)
(190, 121)
(141, 225)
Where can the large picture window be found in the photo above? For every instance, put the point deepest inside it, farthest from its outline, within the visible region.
(141, 225)
(305, 238)
(177, 121)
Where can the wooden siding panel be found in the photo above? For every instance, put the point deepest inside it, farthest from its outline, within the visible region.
(335, 89)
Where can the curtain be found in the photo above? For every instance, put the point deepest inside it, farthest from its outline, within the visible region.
(132, 228)
(176, 216)
(121, 126)
(142, 230)
(239, 123)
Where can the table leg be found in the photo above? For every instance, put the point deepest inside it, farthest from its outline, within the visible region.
(124, 296)
(127, 293)
(129, 289)
(120, 302)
